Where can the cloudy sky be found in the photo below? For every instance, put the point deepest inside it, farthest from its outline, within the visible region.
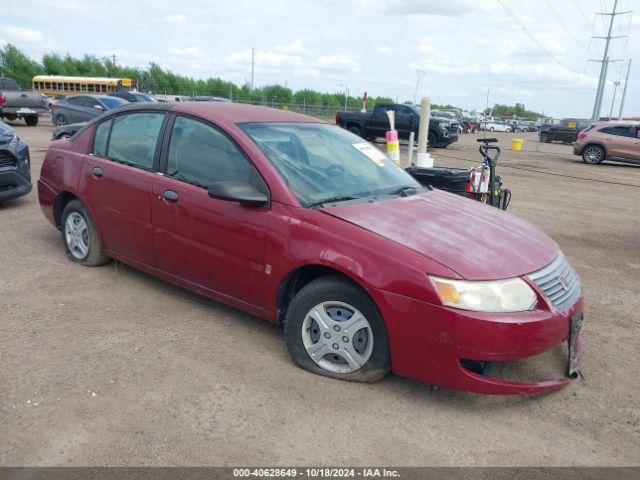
(466, 47)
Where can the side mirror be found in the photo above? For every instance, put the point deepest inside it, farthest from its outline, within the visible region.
(241, 192)
(98, 107)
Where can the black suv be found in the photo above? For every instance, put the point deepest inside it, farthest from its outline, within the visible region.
(15, 168)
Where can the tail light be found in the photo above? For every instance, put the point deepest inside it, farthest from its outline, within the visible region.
(43, 101)
(54, 106)
(337, 117)
(3, 99)
(582, 135)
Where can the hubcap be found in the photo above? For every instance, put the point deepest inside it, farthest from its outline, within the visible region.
(337, 337)
(592, 155)
(76, 234)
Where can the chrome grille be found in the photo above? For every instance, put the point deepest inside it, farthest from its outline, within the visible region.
(7, 159)
(558, 282)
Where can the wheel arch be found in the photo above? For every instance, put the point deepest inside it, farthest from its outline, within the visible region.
(296, 279)
(597, 144)
(61, 201)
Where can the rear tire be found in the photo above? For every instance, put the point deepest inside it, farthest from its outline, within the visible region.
(355, 130)
(31, 120)
(80, 236)
(593, 155)
(360, 354)
(61, 120)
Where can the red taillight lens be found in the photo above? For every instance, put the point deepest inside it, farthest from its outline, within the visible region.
(337, 117)
(3, 99)
(54, 106)
(42, 100)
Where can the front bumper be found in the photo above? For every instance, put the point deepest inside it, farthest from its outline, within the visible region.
(13, 184)
(428, 342)
(15, 179)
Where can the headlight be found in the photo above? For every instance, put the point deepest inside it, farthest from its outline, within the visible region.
(443, 125)
(510, 295)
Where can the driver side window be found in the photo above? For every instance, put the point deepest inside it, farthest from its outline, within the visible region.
(201, 155)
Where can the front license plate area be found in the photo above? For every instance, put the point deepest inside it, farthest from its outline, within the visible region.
(574, 354)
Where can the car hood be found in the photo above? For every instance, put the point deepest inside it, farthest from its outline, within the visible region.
(476, 241)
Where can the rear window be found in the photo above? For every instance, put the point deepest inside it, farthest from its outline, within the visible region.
(113, 102)
(100, 139)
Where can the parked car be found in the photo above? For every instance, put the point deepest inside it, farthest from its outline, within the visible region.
(566, 131)
(81, 108)
(496, 126)
(407, 118)
(519, 126)
(304, 224)
(171, 98)
(614, 141)
(207, 98)
(133, 96)
(15, 165)
(66, 130)
(16, 103)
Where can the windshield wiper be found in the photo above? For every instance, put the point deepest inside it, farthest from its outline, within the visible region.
(404, 190)
(339, 198)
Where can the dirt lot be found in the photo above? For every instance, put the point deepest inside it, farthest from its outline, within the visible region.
(109, 366)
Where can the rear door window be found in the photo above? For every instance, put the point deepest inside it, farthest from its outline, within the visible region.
(618, 131)
(134, 138)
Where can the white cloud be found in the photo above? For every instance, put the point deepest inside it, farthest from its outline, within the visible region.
(186, 52)
(383, 50)
(176, 19)
(339, 61)
(19, 35)
(295, 47)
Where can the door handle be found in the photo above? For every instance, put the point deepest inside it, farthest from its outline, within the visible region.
(97, 172)
(170, 195)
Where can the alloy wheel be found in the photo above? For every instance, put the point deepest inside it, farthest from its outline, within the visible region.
(593, 155)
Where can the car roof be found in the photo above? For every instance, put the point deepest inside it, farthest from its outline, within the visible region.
(619, 123)
(224, 114)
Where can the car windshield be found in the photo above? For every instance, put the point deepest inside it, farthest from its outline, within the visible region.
(113, 102)
(144, 98)
(323, 163)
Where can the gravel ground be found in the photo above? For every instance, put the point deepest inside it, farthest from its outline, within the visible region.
(109, 366)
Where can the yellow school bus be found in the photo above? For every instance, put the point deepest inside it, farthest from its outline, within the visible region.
(54, 85)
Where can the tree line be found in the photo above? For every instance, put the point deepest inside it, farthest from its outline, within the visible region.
(17, 65)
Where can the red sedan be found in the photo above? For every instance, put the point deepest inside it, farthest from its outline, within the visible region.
(302, 223)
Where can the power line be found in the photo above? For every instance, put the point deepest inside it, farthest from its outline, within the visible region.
(564, 25)
(533, 38)
(582, 14)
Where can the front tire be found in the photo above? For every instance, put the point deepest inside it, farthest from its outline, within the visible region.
(61, 120)
(333, 328)
(80, 236)
(593, 154)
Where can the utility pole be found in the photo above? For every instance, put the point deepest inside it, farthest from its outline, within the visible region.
(253, 57)
(602, 81)
(113, 57)
(613, 100)
(624, 91)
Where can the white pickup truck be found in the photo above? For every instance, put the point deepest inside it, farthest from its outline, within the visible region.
(17, 103)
